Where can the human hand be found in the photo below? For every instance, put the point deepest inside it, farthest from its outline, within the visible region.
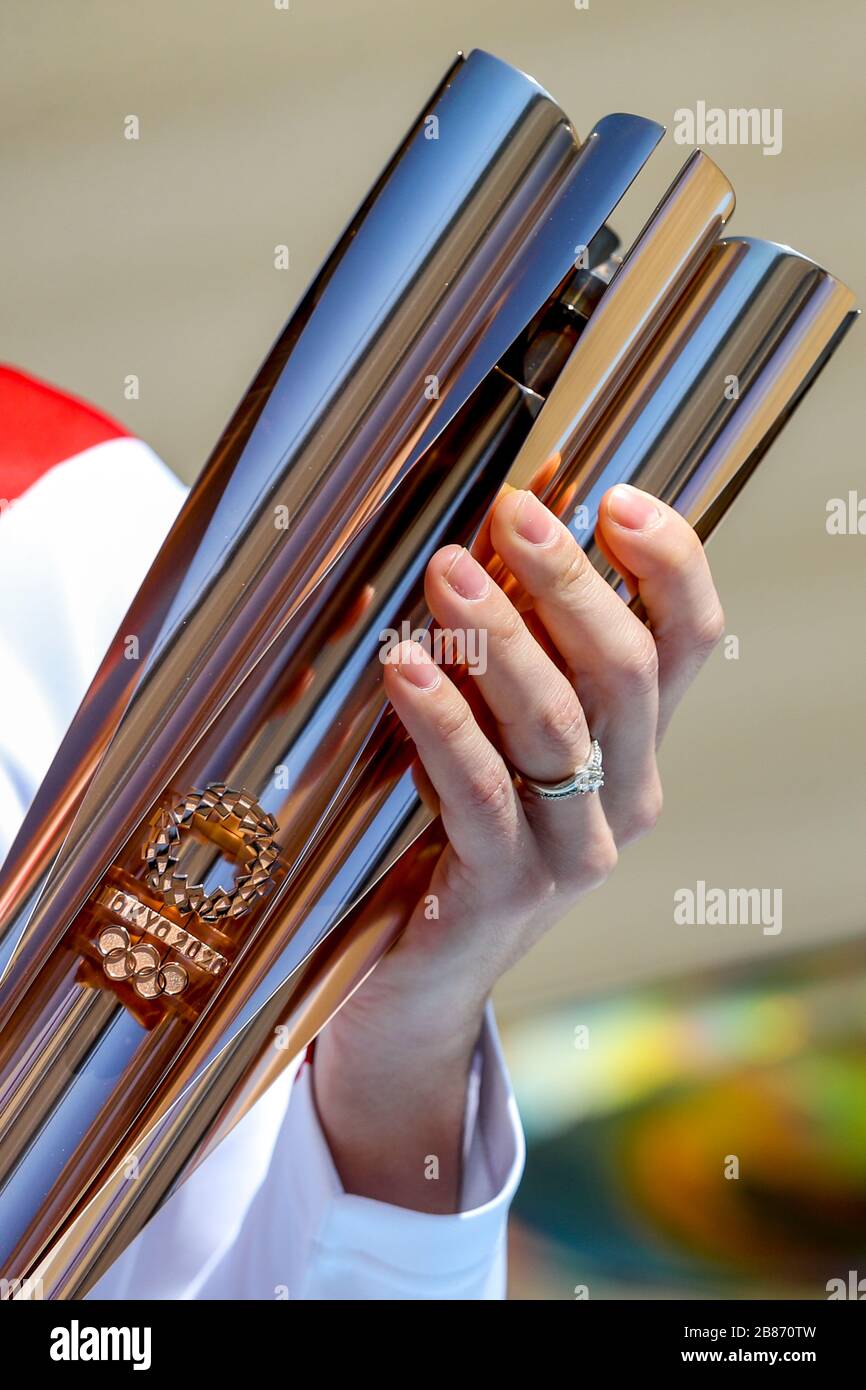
(579, 664)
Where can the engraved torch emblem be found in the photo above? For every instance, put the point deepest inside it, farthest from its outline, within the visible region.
(133, 949)
(233, 820)
(141, 964)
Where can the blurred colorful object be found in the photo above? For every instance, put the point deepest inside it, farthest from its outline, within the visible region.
(706, 1138)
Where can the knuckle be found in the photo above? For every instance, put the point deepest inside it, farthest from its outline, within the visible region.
(454, 720)
(710, 630)
(560, 721)
(643, 816)
(532, 893)
(510, 630)
(591, 865)
(490, 790)
(461, 881)
(575, 573)
(598, 862)
(637, 672)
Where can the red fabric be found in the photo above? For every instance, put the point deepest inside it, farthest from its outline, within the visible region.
(41, 426)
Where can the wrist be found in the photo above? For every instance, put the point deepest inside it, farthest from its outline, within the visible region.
(391, 1024)
(390, 1087)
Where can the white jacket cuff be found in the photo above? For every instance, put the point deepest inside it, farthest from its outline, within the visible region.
(265, 1216)
(359, 1248)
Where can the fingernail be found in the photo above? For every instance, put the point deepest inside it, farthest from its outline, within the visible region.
(633, 509)
(533, 521)
(466, 577)
(419, 668)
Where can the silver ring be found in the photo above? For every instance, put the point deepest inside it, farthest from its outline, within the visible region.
(589, 777)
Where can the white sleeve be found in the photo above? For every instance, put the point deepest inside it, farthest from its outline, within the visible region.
(265, 1215)
(73, 550)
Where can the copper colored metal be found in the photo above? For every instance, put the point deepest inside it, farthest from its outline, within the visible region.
(243, 838)
(455, 249)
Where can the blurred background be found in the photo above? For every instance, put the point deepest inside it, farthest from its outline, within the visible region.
(646, 1055)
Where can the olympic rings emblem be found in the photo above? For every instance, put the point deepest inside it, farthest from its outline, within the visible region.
(141, 964)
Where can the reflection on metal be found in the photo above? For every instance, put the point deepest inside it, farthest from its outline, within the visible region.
(473, 328)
